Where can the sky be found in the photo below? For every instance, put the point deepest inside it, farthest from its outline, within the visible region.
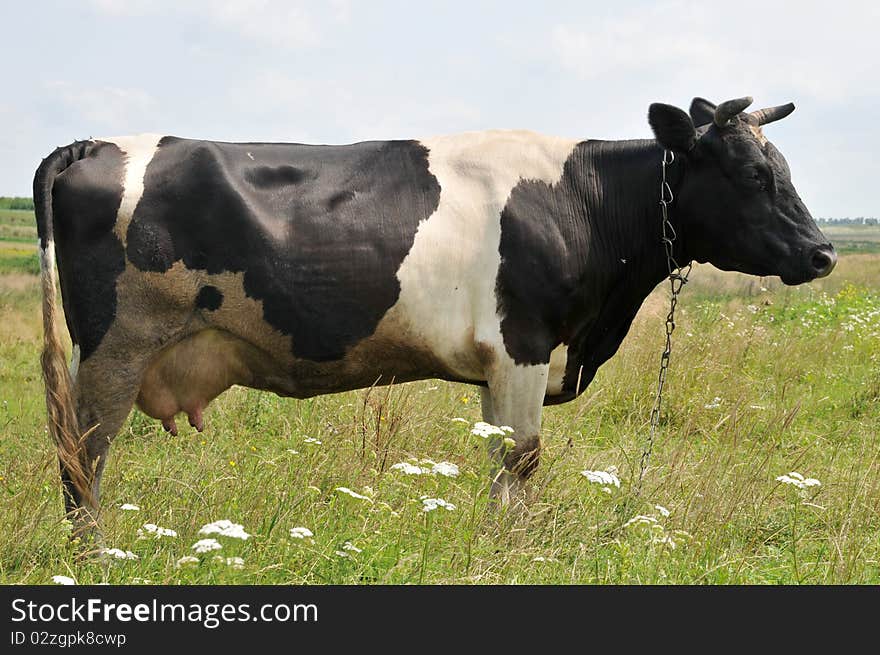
(340, 71)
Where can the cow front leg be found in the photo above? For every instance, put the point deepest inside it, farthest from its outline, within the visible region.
(515, 399)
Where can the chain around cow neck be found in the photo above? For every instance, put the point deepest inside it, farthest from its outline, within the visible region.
(678, 277)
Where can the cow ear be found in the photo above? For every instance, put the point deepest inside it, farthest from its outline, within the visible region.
(702, 111)
(673, 128)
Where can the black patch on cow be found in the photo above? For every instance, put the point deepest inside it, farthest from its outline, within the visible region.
(265, 177)
(318, 231)
(577, 260)
(85, 201)
(539, 274)
(209, 298)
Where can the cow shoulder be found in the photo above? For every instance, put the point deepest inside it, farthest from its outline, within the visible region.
(449, 278)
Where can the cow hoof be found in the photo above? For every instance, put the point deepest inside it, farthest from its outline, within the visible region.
(507, 487)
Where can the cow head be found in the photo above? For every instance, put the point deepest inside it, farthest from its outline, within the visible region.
(737, 207)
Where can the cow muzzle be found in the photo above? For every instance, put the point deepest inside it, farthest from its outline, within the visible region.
(823, 260)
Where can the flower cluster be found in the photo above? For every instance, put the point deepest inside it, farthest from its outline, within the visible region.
(118, 553)
(206, 545)
(658, 533)
(225, 528)
(797, 480)
(353, 494)
(156, 531)
(446, 469)
(430, 504)
(606, 478)
(301, 533)
(485, 430)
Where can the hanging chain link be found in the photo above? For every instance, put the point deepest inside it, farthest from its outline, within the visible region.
(678, 276)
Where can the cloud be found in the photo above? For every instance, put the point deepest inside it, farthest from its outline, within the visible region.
(276, 23)
(105, 108)
(326, 110)
(754, 48)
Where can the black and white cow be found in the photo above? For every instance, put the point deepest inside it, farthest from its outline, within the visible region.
(505, 259)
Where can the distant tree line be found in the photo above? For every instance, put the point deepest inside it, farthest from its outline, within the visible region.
(858, 220)
(16, 203)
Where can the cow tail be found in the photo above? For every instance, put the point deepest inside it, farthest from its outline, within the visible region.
(60, 403)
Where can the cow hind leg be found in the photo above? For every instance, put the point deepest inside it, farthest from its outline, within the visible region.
(515, 398)
(104, 394)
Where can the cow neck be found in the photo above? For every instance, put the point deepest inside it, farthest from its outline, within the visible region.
(624, 258)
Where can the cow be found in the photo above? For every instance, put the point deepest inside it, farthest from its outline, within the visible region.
(504, 259)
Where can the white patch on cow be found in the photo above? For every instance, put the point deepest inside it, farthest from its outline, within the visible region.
(447, 280)
(47, 257)
(138, 151)
(74, 362)
(558, 362)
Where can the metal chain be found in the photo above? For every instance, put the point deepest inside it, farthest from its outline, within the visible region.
(678, 276)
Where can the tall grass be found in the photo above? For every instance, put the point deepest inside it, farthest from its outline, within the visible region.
(765, 380)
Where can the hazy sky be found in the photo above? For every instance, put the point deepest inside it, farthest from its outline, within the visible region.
(342, 71)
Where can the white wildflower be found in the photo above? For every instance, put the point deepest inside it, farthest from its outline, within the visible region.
(225, 528)
(187, 560)
(447, 469)
(485, 430)
(663, 511)
(118, 553)
(206, 545)
(129, 507)
(664, 539)
(312, 440)
(716, 403)
(408, 469)
(350, 547)
(62, 579)
(430, 504)
(797, 480)
(300, 532)
(353, 494)
(604, 478)
(641, 519)
(155, 530)
(234, 562)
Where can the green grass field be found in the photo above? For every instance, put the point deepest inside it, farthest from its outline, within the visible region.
(765, 380)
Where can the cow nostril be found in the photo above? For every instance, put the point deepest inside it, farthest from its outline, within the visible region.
(823, 261)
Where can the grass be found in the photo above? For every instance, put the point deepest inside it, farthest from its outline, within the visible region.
(765, 380)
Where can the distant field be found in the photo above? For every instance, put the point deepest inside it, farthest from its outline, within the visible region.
(18, 225)
(854, 238)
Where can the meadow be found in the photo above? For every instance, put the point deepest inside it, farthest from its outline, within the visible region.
(766, 381)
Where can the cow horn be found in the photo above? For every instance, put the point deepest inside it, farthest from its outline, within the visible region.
(771, 114)
(730, 108)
